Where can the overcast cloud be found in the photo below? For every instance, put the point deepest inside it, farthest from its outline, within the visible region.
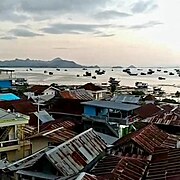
(107, 27)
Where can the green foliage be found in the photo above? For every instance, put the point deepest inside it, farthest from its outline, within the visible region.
(169, 100)
(140, 93)
(177, 94)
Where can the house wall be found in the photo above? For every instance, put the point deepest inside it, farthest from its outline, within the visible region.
(5, 83)
(39, 143)
(49, 92)
(90, 110)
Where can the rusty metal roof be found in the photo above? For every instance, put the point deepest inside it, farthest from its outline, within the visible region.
(73, 155)
(147, 110)
(149, 138)
(164, 118)
(86, 176)
(28, 161)
(115, 167)
(92, 87)
(68, 124)
(38, 88)
(165, 164)
(57, 135)
(80, 94)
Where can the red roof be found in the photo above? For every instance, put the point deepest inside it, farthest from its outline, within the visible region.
(22, 106)
(39, 88)
(115, 167)
(147, 110)
(68, 124)
(57, 135)
(80, 94)
(91, 87)
(149, 138)
(165, 164)
(164, 118)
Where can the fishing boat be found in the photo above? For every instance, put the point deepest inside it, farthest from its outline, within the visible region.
(161, 78)
(141, 85)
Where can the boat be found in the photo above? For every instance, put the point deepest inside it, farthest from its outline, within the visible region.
(57, 69)
(84, 69)
(65, 70)
(133, 74)
(113, 81)
(141, 85)
(50, 73)
(159, 70)
(165, 71)
(171, 73)
(161, 78)
(77, 75)
(99, 72)
(93, 77)
(87, 74)
(45, 71)
(142, 73)
(126, 70)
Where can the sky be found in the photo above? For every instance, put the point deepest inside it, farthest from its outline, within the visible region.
(92, 32)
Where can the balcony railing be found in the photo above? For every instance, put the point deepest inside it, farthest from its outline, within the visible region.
(13, 142)
(121, 121)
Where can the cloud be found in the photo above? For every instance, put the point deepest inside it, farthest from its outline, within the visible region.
(8, 38)
(111, 14)
(143, 6)
(145, 25)
(61, 28)
(65, 48)
(24, 33)
(61, 5)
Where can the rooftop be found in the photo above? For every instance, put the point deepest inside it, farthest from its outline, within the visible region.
(79, 94)
(111, 105)
(134, 99)
(8, 97)
(149, 138)
(73, 155)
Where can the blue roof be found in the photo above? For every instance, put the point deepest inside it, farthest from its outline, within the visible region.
(111, 105)
(8, 97)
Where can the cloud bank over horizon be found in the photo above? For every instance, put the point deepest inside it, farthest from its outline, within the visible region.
(104, 32)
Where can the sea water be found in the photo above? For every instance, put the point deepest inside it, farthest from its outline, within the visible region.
(68, 76)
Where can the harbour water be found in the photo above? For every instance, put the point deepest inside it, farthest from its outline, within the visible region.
(68, 76)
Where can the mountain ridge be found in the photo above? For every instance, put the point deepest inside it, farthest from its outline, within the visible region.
(54, 63)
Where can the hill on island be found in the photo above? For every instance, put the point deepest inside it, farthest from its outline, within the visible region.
(57, 62)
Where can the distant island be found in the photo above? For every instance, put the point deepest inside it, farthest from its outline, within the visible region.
(55, 63)
(117, 67)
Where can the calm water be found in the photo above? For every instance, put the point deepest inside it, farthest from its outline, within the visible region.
(69, 77)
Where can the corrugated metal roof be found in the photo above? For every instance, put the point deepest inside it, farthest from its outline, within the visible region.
(80, 94)
(165, 164)
(149, 138)
(57, 135)
(134, 99)
(111, 105)
(73, 155)
(38, 88)
(68, 124)
(27, 161)
(115, 167)
(147, 110)
(86, 176)
(37, 174)
(164, 118)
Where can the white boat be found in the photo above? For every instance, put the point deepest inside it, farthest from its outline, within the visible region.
(141, 85)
